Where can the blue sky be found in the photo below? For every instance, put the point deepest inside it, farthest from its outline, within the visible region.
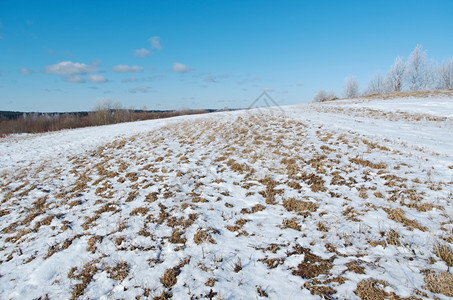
(66, 55)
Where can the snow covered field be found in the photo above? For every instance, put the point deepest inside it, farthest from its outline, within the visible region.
(345, 199)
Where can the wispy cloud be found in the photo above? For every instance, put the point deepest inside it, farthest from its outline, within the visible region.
(55, 90)
(25, 71)
(97, 78)
(142, 52)
(70, 68)
(248, 80)
(155, 42)
(215, 78)
(210, 79)
(140, 89)
(74, 78)
(181, 68)
(67, 54)
(141, 79)
(126, 68)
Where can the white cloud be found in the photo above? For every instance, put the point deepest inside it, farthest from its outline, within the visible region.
(25, 71)
(142, 52)
(181, 68)
(70, 68)
(97, 78)
(210, 79)
(155, 42)
(141, 89)
(74, 78)
(126, 68)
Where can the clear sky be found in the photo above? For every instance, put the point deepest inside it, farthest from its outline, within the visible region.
(168, 54)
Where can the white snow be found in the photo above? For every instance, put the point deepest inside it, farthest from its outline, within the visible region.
(104, 212)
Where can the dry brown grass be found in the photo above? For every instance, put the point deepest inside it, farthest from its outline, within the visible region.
(211, 282)
(312, 265)
(367, 163)
(92, 241)
(292, 223)
(409, 94)
(393, 238)
(169, 278)
(321, 227)
(272, 262)
(316, 288)
(177, 237)
(253, 209)
(261, 292)
(270, 192)
(119, 272)
(439, 283)
(445, 253)
(237, 265)
(204, 236)
(85, 276)
(354, 266)
(316, 182)
(139, 211)
(397, 215)
(299, 206)
(372, 289)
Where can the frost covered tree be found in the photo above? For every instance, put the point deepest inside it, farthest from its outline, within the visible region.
(376, 85)
(445, 75)
(322, 95)
(395, 77)
(418, 72)
(351, 88)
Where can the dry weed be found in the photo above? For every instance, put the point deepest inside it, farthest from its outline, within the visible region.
(177, 237)
(299, 206)
(91, 247)
(204, 236)
(439, 283)
(312, 265)
(393, 238)
(397, 215)
(211, 281)
(371, 289)
(237, 266)
(367, 163)
(169, 278)
(354, 266)
(445, 253)
(119, 272)
(292, 223)
(85, 275)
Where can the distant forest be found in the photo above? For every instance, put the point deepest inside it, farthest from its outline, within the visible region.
(104, 114)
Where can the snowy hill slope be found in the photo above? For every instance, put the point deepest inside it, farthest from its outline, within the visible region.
(347, 199)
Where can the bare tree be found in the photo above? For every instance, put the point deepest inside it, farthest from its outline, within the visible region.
(445, 75)
(376, 85)
(395, 77)
(418, 72)
(351, 88)
(103, 111)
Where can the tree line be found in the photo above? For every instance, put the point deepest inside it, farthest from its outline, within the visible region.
(414, 74)
(105, 112)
